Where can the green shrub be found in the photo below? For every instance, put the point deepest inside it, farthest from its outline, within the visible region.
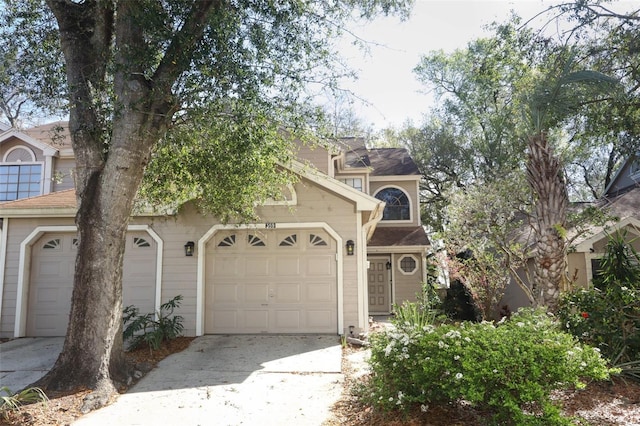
(152, 329)
(608, 319)
(607, 316)
(508, 369)
(426, 310)
(12, 402)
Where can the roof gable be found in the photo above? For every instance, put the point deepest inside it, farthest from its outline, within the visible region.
(46, 149)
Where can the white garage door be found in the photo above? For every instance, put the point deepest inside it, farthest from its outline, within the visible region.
(271, 281)
(51, 282)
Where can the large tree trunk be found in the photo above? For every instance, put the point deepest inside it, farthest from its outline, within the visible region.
(109, 168)
(546, 178)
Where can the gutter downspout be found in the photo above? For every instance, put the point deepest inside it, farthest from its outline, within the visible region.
(368, 227)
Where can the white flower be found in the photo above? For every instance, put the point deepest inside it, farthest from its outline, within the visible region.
(624, 288)
(456, 357)
(495, 371)
(453, 334)
(388, 349)
(424, 408)
(466, 339)
(520, 324)
(458, 376)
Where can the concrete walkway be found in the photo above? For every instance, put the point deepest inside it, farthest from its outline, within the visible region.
(218, 380)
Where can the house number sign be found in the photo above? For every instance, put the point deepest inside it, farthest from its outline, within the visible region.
(270, 225)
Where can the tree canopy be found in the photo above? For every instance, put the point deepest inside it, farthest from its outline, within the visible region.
(205, 93)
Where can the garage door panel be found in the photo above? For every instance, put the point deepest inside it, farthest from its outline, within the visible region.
(288, 266)
(225, 319)
(320, 266)
(256, 320)
(258, 266)
(287, 293)
(287, 320)
(226, 293)
(256, 293)
(50, 269)
(48, 325)
(226, 266)
(320, 292)
(320, 319)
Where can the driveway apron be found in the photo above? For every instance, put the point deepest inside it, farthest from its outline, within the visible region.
(235, 380)
(25, 360)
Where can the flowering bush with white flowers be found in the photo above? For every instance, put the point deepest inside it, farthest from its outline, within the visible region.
(509, 369)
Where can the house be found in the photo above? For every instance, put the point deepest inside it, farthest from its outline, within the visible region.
(621, 201)
(345, 243)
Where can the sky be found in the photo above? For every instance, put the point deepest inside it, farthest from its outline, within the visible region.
(386, 79)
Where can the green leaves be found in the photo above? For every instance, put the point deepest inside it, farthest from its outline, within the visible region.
(506, 369)
(12, 402)
(152, 329)
(226, 166)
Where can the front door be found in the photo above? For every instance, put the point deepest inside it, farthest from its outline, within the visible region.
(379, 285)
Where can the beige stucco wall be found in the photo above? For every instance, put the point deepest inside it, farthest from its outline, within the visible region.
(63, 177)
(316, 155)
(406, 286)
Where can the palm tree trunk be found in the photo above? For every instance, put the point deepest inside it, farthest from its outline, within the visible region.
(546, 178)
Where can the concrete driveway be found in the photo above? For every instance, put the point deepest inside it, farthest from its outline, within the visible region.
(234, 380)
(23, 361)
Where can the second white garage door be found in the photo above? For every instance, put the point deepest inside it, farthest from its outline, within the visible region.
(51, 283)
(271, 281)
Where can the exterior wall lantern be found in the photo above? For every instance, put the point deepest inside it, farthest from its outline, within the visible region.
(388, 265)
(350, 247)
(188, 248)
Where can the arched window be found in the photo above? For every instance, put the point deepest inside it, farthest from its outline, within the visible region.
(397, 204)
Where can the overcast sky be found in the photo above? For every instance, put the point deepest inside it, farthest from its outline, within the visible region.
(387, 81)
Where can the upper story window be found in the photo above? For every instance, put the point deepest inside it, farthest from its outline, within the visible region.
(397, 204)
(355, 183)
(20, 175)
(19, 181)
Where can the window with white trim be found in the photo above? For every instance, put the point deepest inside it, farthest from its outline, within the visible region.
(20, 181)
(355, 183)
(397, 205)
(408, 264)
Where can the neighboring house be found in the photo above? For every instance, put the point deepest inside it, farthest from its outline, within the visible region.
(621, 201)
(322, 261)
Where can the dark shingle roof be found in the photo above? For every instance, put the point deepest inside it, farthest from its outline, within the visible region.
(399, 236)
(392, 162)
